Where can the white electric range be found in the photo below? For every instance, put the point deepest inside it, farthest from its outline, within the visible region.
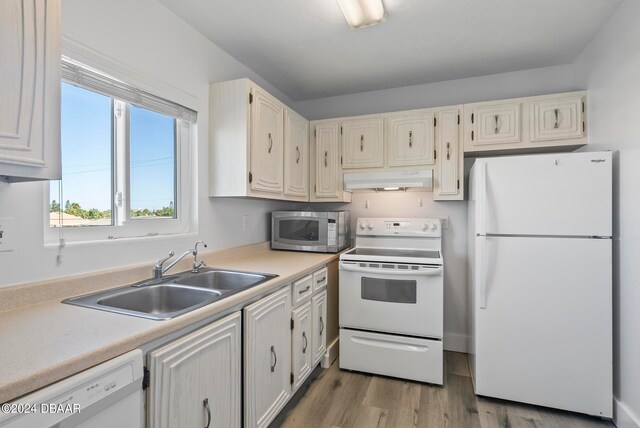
(391, 299)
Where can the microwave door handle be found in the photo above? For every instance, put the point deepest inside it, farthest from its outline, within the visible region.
(354, 268)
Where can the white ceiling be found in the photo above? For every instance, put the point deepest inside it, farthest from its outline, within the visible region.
(306, 49)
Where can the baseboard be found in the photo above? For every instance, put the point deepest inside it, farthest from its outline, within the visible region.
(331, 354)
(456, 342)
(623, 417)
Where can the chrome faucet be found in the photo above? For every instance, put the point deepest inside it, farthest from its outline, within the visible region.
(159, 270)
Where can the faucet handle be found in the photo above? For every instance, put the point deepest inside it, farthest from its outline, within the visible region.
(160, 262)
(195, 248)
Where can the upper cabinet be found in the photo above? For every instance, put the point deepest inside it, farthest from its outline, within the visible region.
(296, 156)
(411, 139)
(449, 172)
(30, 88)
(257, 146)
(362, 143)
(325, 165)
(526, 124)
(266, 142)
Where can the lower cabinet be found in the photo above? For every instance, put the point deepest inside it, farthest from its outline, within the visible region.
(319, 334)
(195, 380)
(302, 344)
(267, 369)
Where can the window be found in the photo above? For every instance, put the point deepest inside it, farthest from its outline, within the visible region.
(125, 161)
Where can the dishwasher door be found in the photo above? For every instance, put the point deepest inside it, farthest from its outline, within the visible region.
(108, 395)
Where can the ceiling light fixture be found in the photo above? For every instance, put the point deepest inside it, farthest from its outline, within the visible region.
(362, 13)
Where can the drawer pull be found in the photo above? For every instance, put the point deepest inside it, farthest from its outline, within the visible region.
(275, 358)
(321, 280)
(306, 343)
(496, 120)
(410, 139)
(557, 124)
(305, 290)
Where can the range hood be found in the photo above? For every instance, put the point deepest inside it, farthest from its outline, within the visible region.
(389, 180)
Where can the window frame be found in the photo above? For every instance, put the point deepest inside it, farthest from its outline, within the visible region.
(123, 226)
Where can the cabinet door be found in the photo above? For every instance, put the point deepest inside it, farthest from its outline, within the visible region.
(198, 375)
(296, 156)
(267, 370)
(30, 90)
(327, 162)
(362, 145)
(319, 336)
(556, 119)
(411, 140)
(497, 124)
(267, 124)
(301, 344)
(449, 171)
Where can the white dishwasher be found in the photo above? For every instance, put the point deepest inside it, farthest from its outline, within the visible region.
(108, 395)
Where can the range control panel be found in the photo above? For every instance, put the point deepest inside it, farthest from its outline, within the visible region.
(426, 227)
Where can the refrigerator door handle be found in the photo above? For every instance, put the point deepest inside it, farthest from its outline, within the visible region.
(481, 253)
(482, 198)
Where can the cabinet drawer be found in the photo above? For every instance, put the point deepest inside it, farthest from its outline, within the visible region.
(319, 279)
(390, 355)
(302, 290)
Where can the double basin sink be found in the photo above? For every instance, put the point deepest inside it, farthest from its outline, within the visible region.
(171, 296)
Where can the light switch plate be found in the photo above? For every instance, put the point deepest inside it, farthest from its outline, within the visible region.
(7, 231)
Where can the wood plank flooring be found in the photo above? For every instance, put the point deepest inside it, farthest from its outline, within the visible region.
(336, 398)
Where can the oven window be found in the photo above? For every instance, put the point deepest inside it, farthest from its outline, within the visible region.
(299, 230)
(388, 290)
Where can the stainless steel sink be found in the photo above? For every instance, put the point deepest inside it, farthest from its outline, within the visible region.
(171, 296)
(159, 299)
(224, 280)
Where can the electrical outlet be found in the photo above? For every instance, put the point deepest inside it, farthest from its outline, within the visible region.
(445, 222)
(7, 230)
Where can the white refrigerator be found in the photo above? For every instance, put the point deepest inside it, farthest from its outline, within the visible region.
(540, 280)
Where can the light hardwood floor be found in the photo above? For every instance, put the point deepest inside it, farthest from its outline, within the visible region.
(338, 398)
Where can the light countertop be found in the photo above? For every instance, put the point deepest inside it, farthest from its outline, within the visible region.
(46, 342)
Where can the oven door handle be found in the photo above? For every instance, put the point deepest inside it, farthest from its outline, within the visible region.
(355, 268)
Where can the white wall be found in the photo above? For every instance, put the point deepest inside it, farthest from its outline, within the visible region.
(148, 38)
(537, 81)
(610, 68)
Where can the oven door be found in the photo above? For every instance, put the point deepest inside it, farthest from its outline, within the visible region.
(302, 231)
(393, 301)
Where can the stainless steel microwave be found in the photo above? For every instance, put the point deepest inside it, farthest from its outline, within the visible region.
(321, 232)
